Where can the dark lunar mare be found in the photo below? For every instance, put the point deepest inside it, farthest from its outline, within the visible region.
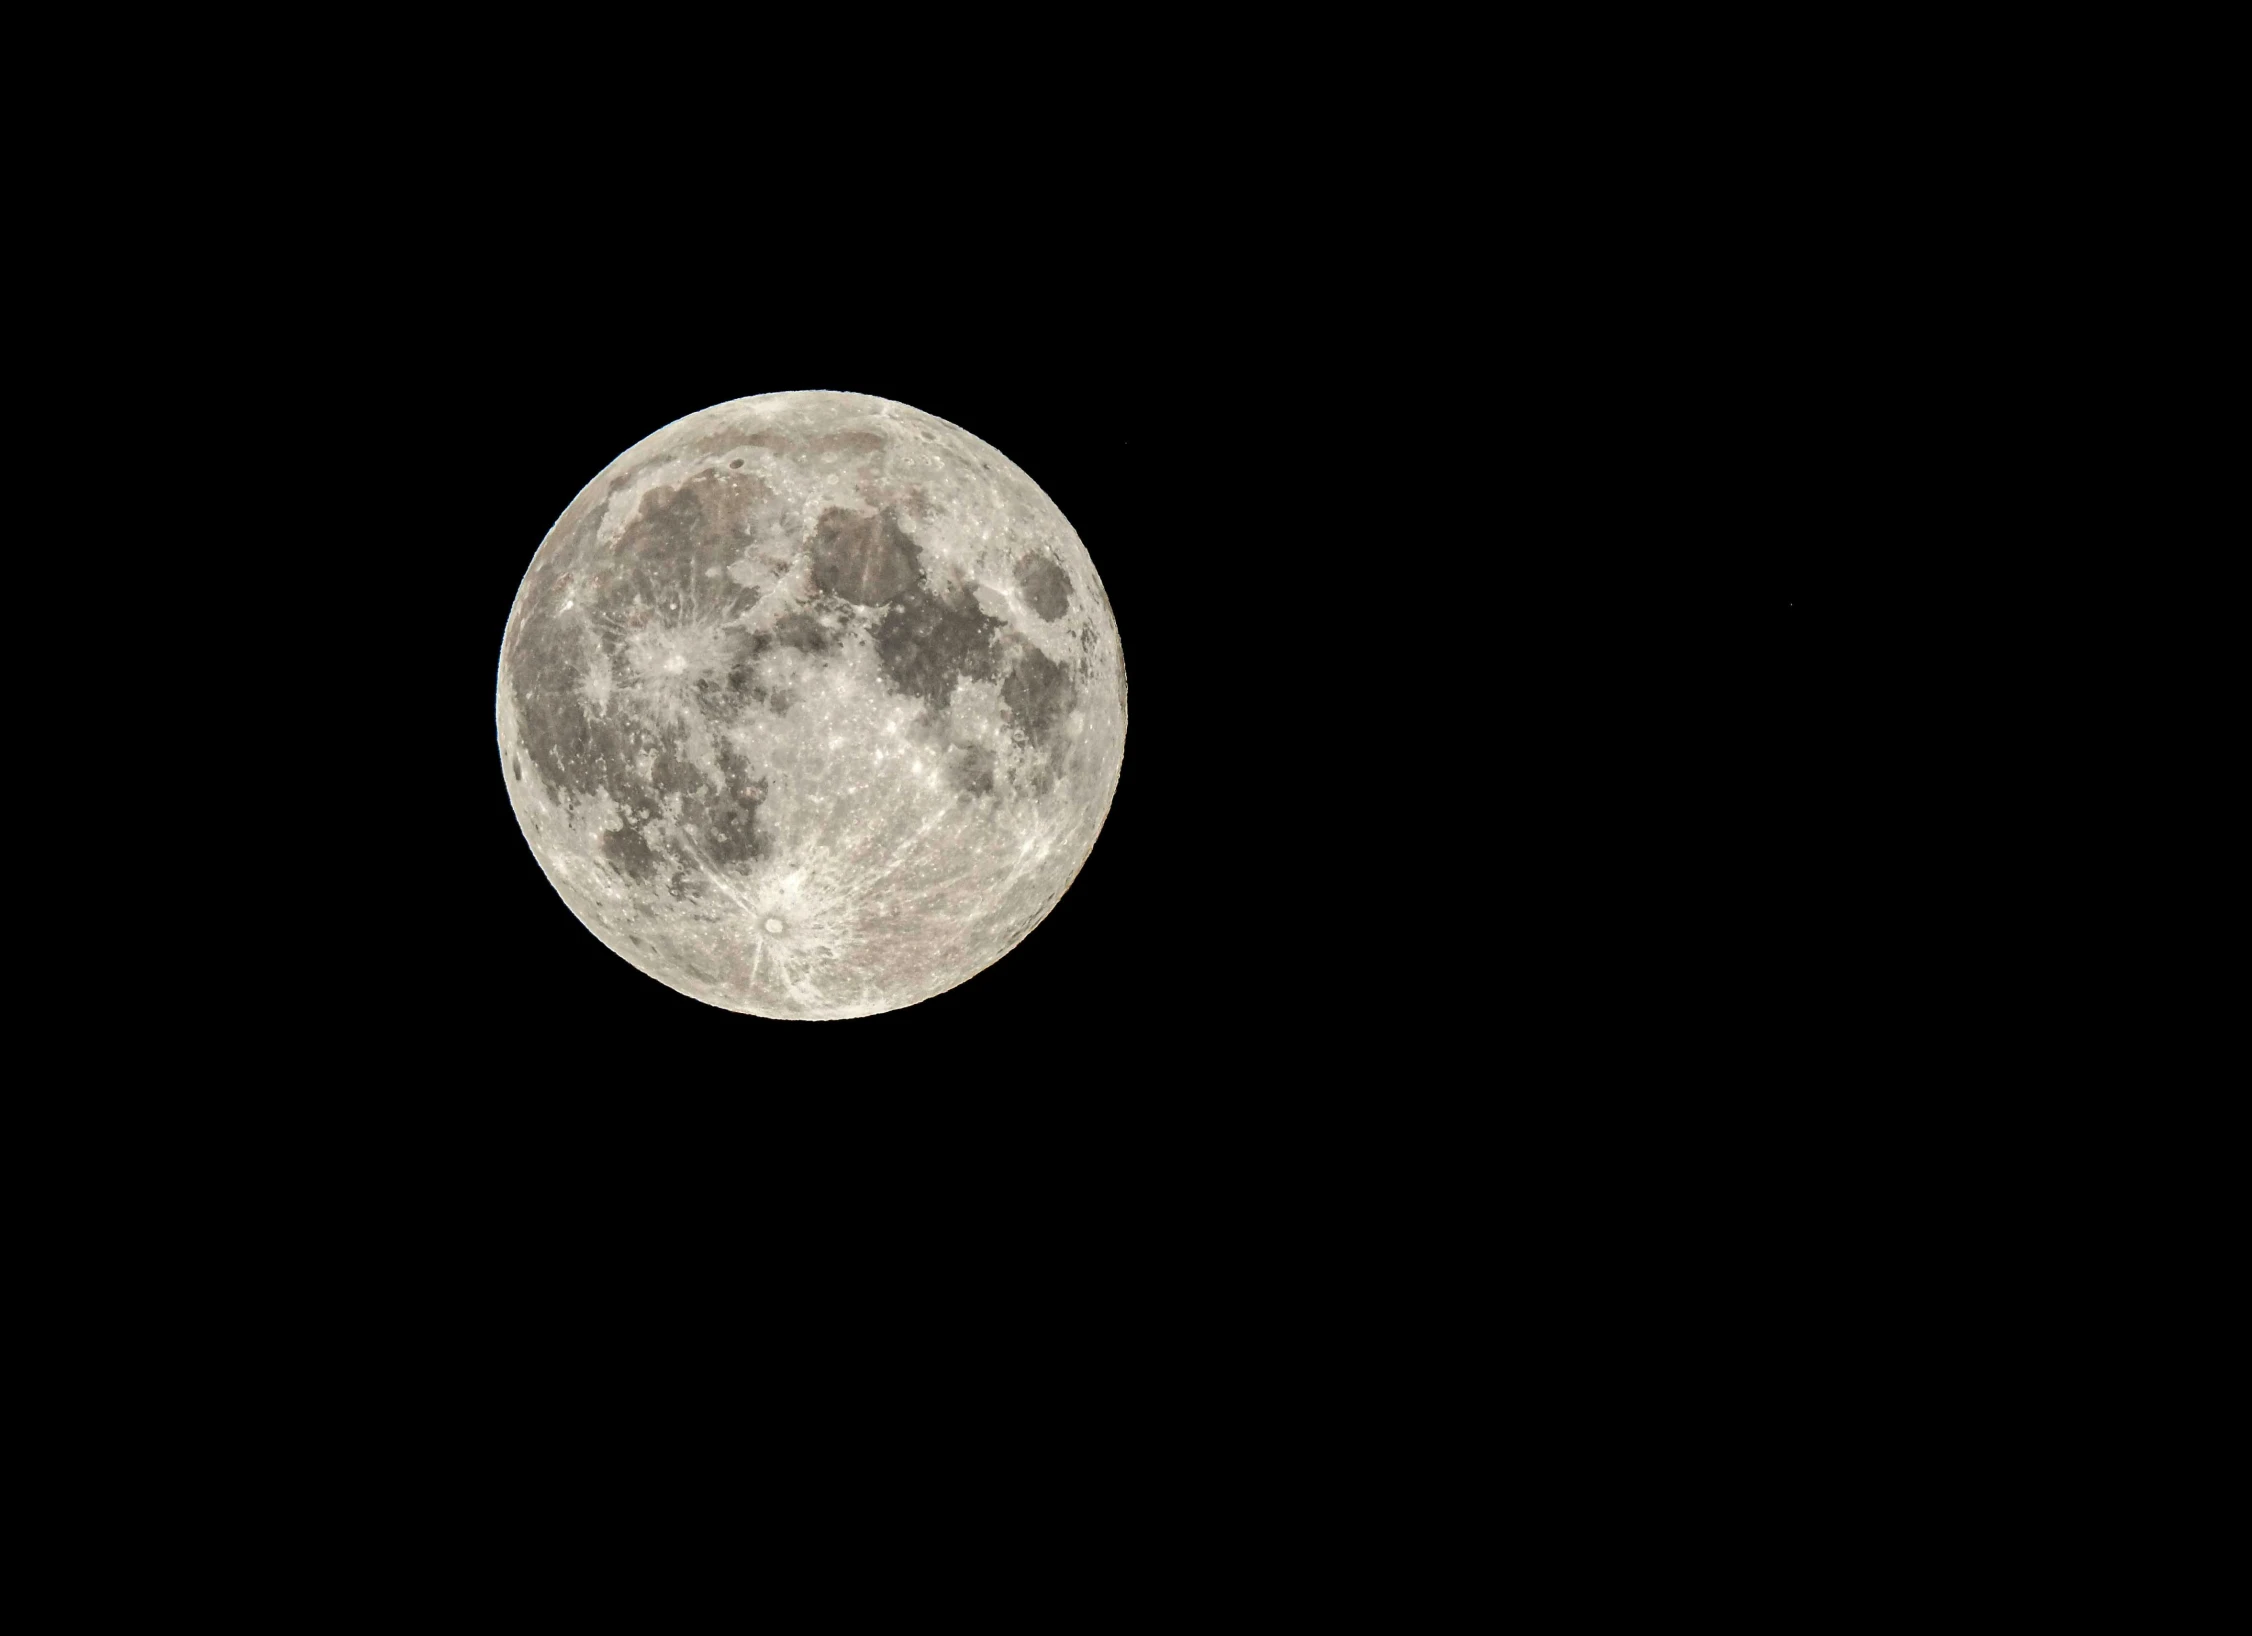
(868, 560)
(1044, 585)
(926, 643)
(972, 767)
(660, 554)
(804, 632)
(1038, 694)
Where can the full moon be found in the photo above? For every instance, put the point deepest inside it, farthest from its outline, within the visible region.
(811, 705)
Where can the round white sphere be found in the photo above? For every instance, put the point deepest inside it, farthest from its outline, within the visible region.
(811, 705)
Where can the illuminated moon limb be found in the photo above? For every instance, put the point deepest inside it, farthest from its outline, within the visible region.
(814, 665)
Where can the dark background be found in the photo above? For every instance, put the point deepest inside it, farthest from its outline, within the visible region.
(1181, 443)
(1444, 1037)
(1443, 664)
(1440, 970)
(1478, 532)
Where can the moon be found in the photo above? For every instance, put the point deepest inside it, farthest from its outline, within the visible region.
(811, 705)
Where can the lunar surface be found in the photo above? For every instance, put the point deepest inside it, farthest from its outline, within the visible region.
(811, 705)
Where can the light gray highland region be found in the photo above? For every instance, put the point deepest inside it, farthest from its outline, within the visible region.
(811, 705)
